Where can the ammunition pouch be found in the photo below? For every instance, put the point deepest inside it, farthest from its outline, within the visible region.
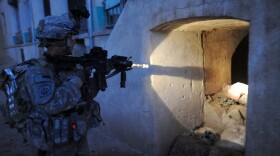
(91, 113)
(39, 129)
(61, 130)
(94, 118)
(73, 125)
(44, 130)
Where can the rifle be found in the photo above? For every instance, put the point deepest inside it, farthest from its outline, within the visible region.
(97, 59)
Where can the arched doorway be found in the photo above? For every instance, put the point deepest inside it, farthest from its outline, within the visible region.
(218, 40)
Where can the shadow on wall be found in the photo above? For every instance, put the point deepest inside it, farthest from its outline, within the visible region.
(172, 111)
(168, 103)
(182, 72)
(175, 87)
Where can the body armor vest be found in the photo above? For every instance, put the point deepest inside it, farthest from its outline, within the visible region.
(33, 91)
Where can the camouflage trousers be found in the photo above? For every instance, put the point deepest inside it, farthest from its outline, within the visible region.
(72, 148)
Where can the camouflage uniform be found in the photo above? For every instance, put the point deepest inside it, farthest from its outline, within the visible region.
(46, 103)
(57, 117)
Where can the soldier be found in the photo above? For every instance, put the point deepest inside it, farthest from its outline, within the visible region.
(46, 99)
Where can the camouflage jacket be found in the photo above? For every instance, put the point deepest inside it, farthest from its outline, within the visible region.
(47, 102)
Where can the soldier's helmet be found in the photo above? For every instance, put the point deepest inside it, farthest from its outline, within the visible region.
(56, 27)
(61, 27)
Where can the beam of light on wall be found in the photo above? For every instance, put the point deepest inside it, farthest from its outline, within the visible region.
(177, 67)
(177, 74)
(140, 65)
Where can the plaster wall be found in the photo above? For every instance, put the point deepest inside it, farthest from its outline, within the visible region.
(164, 100)
(176, 77)
(24, 15)
(10, 57)
(13, 56)
(31, 51)
(139, 115)
(1, 46)
(142, 117)
(219, 46)
(38, 11)
(2, 31)
(100, 41)
(10, 27)
(263, 115)
(58, 8)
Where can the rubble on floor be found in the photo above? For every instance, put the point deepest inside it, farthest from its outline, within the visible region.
(223, 130)
(194, 145)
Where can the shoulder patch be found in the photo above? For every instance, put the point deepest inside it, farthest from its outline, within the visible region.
(39, 85)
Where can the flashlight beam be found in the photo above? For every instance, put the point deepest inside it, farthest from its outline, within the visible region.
(140, 65)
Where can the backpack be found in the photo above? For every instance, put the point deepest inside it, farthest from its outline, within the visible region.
(15, 110)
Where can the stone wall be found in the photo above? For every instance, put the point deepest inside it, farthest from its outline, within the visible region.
(264, 78)
(148, 119)
(165, 100)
